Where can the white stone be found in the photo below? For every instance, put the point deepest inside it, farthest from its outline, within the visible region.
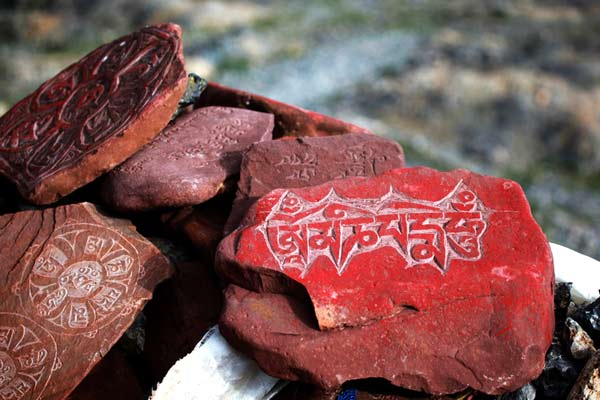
(216, 371)
(581, 270)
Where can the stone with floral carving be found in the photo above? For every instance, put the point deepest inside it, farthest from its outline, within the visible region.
(189, 162)
(435, 281)
(73, 281)
(94, 114)
(309, 161)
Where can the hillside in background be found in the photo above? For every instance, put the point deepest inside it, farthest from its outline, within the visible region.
(504, 88)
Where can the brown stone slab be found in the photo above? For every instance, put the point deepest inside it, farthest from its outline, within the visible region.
(307, 161)
(289, 120)
(73, 281)
(94, 114)
(189, 162)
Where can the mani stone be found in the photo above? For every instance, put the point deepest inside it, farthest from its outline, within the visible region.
(435, 281)
(73, 281)
(309, 161)
(290, 121)
(189, 162)
(93, 115)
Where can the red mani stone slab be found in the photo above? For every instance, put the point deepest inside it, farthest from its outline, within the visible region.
(454, 255)
(73, 281)
(189, 162)
(289, 120)
(309, 161)
(94, 114)
(407, 240)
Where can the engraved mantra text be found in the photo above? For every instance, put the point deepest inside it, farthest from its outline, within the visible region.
(27, 356)
(83, 278)
(423, 233)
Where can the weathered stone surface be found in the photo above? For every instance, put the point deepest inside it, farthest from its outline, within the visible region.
(183, 309)
(94, 114)
(289, 120)
(189, 162)
(447, 272)
(72, 283)
(308, 162)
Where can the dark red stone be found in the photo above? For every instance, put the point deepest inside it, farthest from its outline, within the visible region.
(189, 162)
(446, 272)
(112, 378)
(201, 225)
(73, 281)
(183, 309)
(289, 120)
(305, 162)
(94, 114)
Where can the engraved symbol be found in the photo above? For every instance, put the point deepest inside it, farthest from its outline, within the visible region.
(304, 166)
(82, 279)
(27, 355)
(297, 231)
(89, 102)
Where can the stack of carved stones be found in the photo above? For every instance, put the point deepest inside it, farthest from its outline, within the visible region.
(333, 262)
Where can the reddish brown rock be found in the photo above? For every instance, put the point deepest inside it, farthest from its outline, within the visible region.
(447, 272)
(189, 162)
(72, 282)
(93, 115)
(307, 162)
(182, 311)
(289, 120)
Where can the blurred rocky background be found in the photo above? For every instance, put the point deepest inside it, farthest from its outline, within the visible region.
(509, 88)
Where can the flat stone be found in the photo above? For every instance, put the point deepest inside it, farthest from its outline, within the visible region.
(289, 120)
(307, 162)
(189, 162)
(437, 265)
(93, 115)
(73, 281)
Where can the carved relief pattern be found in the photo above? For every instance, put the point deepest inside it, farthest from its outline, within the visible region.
(86, 104)
(359, 161)
(27, 358)
(304, 166)
(83, 278)
(208, 145)
(297, 232)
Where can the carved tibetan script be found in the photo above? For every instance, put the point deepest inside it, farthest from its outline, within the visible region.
(431, 233)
